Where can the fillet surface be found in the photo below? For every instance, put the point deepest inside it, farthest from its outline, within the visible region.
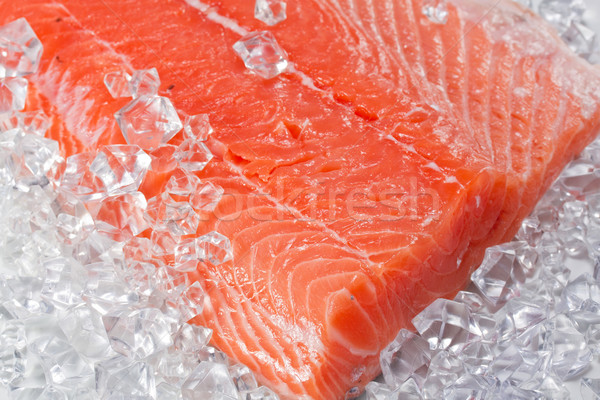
(350, 206)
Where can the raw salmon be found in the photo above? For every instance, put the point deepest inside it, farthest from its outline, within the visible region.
(361, 184)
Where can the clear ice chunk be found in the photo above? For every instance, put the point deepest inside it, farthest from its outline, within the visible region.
(121, 168)
(197, 127)
(261, 393)
(148, 121)
(518, 315)
(121, 216)
(472, 387)
(13, 93)
(243, 378)
(570, 353)
(500, 274)
(117, 83)
(447, 325)
(191, 338)
(408, 355)
(182, 185)
(165, 391)
(590, 388)
(271, 12)
(581, 296)
(209, 381)
(214, 248)
(85, 332)
(62, 363)
(144, 82)
(191, 302)
(261, 54)
(193, 155)
(530, 231)
(163, 159)
(121, 378)
(61, 285)
(177, 218)
(33, 122)
(436, 11)
(561, 13)
(206, 197)
(581, 39)
(137, 333)
(517, 366)
(444, 369)
(40, 156)
(20, 49)
(78, 180)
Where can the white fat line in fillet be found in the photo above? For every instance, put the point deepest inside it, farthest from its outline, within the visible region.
(233, 26)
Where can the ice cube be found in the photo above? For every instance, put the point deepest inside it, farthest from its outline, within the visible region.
(191, 338)
(62, 363)
(121, 168)
(444, 369)
(470, 387)
(13, 93)
(261, 393)
(84, 329)
(61, 287)
(163, 158)
(407, 356)
(214, 248)
(53, 393)
(182, 185)
(570, 353)
(193, 155)
(561, 13)
(447, 325)
(477, 357)
(165, 391)
(41, 158)
(518, 315)
(261, 54)
(500, 274)
(33, 122)
(210, 354)
(582, 296)
(79, 180)
(206, 197)
(590, 388)
(209, 380)
(121, 216)
(137, 333)
(436, 11)
(472, 300)
(122, 378)
(271, 12)
(517, 366)
(174, 366)
(197, 127)
(117, 83)
(148, 121)
(242, 377)
(20, 49)
(144, 82)
(178, 218)
(191, 301)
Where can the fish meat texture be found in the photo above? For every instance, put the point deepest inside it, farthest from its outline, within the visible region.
(361, 184)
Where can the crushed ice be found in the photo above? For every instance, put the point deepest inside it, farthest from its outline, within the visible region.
(88, 308)
(271, 12)
(262, 54)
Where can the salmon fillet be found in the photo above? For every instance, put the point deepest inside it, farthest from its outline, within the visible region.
(359, 186)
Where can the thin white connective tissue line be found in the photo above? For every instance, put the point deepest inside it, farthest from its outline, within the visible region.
(160, 60)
